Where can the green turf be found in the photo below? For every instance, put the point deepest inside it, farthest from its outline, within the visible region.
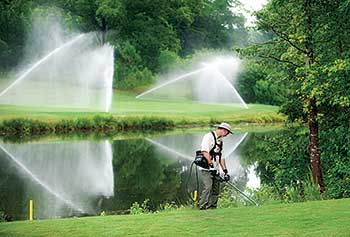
(125, 104)
(317, 218)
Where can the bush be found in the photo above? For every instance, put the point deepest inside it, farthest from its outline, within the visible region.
(137, 209)
(64, 126)
(129, 71)
(168, 61)
(3, 217)
(228, 199)
(257, 84)
(135, 78)
(335, 150)
(168, 207)
(26, 127)
(295, 192)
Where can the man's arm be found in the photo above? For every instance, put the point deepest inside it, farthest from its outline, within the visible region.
(207, 156)
(223, 164)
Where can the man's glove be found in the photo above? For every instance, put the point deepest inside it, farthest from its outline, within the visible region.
(226, 176)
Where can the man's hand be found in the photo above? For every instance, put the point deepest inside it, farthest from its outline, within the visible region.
(226, 175)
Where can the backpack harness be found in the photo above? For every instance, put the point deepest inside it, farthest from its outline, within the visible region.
(212, 152)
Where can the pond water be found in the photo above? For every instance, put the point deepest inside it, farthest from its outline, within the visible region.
(75, 177)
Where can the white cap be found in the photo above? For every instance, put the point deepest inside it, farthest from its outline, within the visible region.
(225, 126)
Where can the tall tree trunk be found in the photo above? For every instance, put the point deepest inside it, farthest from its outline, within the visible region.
(314, 150)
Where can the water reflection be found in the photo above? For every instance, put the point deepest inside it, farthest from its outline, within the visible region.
(63, 175)
(67, 178)
(182, 146)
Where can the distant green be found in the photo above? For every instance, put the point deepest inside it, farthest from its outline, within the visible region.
(125, 105)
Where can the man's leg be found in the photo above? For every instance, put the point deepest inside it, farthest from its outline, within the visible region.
(213, 200)
(207, 188)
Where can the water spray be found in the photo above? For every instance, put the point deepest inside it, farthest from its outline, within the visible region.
(169, 149)
(205, 83)
(42, 60)
(227, 82)
(172, 81)
(47, 188)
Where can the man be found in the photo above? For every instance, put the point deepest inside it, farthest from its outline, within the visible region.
(211, 148)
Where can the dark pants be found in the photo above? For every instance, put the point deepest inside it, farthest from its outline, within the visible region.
(211, 189)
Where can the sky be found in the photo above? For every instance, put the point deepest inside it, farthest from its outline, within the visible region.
(252, 5)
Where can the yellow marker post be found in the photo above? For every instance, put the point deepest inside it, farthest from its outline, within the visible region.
(31, 210)
(195, 196)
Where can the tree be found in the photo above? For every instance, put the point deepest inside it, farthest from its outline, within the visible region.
(214, 25)
(155, 26)
(258, 84)
(312, 55)
(147, 27)
(13, 26)
(129, 71)
(101, 15)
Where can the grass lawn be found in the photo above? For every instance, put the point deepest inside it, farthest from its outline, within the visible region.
(317, 218)
(124, 105)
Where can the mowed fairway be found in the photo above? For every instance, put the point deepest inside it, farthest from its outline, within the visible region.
(124, 104)
(317, 218)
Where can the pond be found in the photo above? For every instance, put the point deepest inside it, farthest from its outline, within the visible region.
(73, 177)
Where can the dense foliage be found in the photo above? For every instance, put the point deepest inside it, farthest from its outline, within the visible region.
(282, 163)
(140, 30)
(311, 56)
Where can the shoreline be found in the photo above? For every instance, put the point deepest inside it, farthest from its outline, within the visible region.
(27, 126)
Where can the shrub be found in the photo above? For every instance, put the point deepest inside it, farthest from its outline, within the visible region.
(167, 207)
(3, 216)
(64, 126)
(136, 78)
(228, 199)
(168, 60)
(137, 209)
(295, 192)
(129, 71)
(26, 127)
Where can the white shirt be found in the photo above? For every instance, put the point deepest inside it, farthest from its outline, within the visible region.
(208, 142)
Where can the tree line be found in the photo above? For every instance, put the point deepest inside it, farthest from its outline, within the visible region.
(149, 37)
(145, 27)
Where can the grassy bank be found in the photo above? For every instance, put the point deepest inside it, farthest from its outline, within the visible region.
(105, 124)
(318, 218)
(129, 113)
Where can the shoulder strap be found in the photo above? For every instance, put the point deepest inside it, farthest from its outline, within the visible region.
(215, 141)
(212, 152)
(214, 136)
